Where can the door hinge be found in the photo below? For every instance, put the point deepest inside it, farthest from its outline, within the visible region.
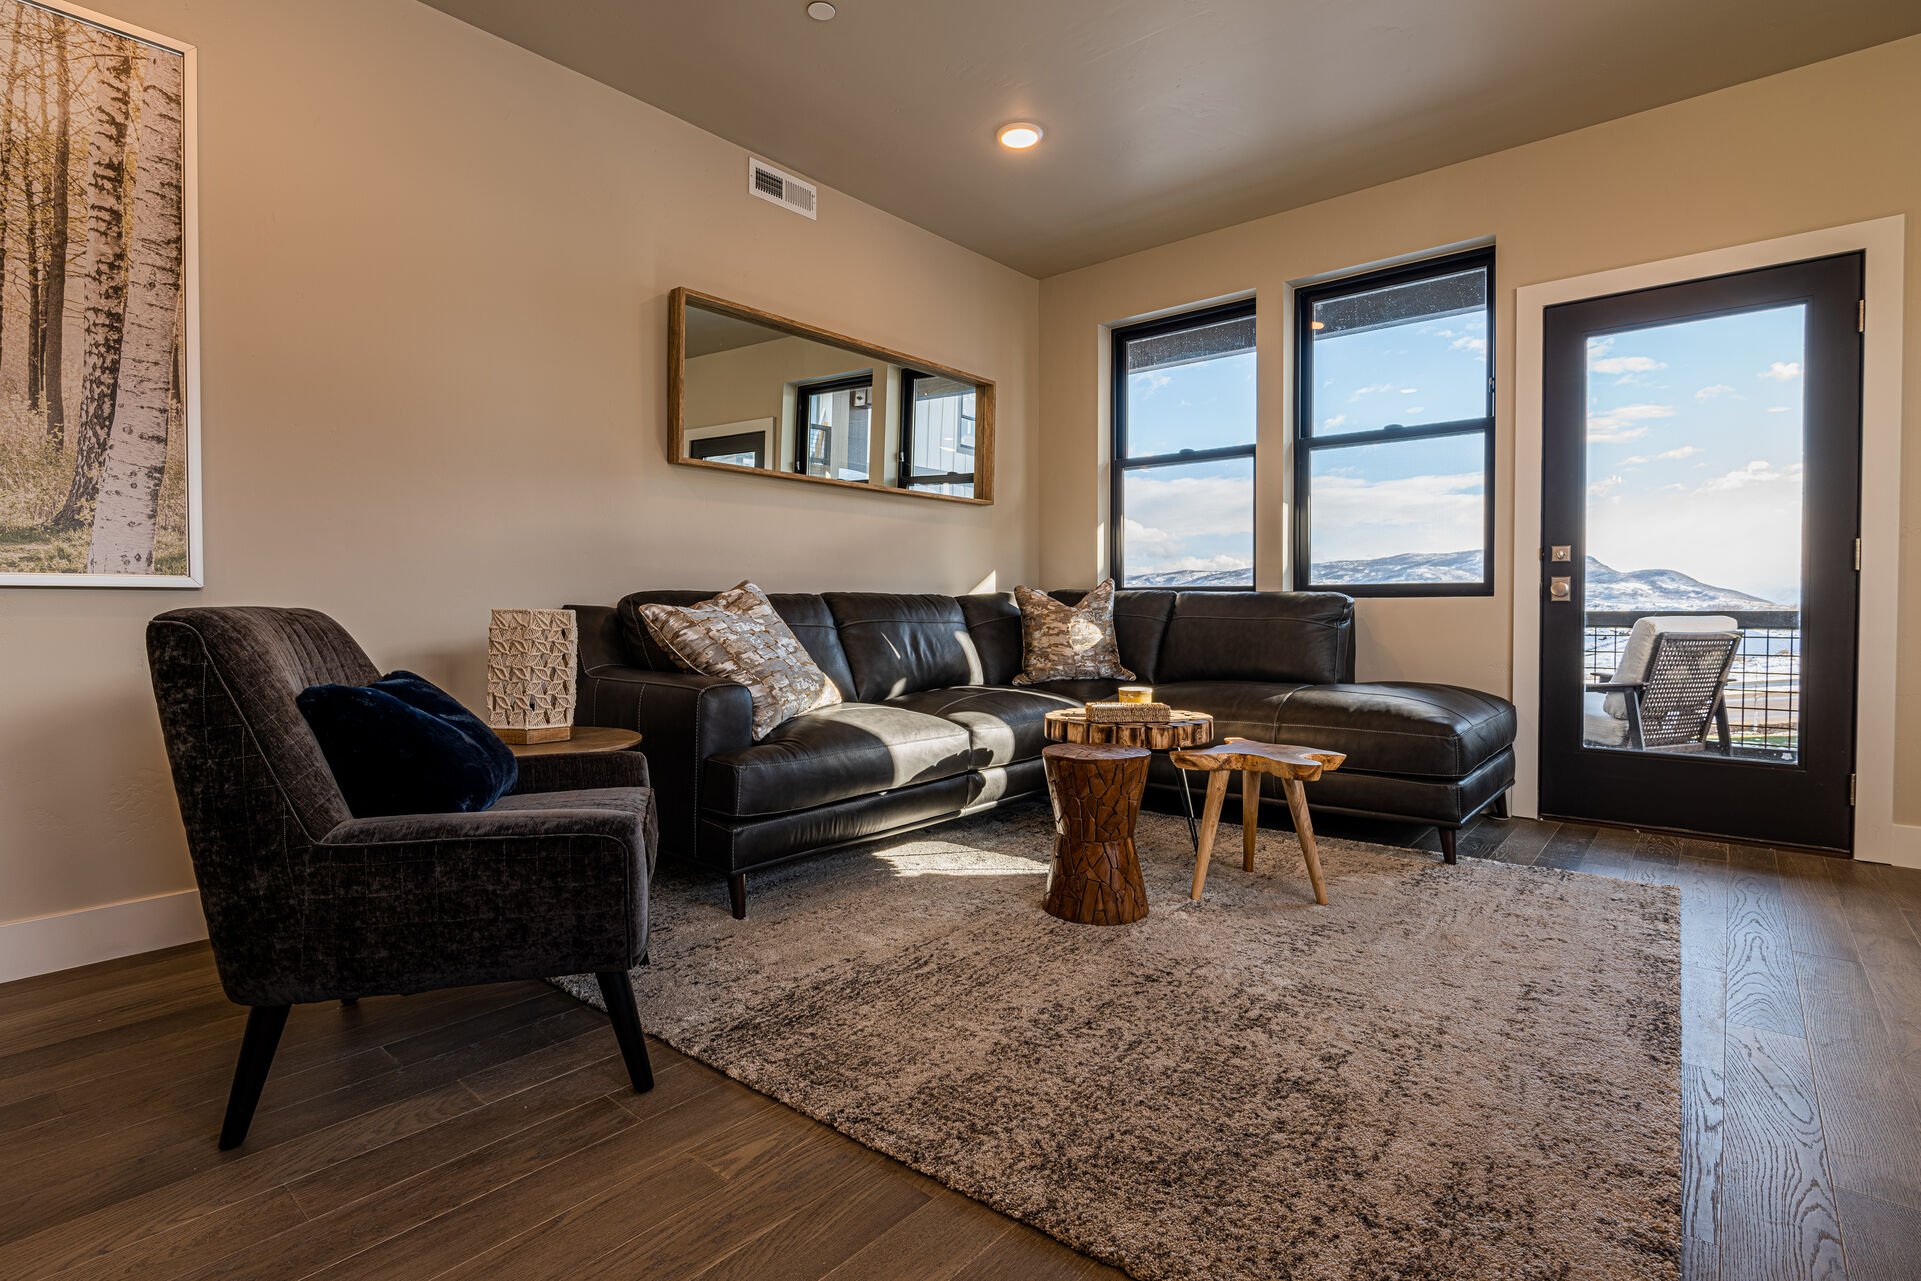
(1851, 789)
(1857, 555)
(1861, 318)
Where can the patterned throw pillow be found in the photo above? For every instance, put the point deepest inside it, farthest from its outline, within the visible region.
(738, 636)
(1059, 643)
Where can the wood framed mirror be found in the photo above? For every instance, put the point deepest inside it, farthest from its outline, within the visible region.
(756, 393)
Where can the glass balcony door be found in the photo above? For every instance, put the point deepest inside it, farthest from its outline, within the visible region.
(1701, 505)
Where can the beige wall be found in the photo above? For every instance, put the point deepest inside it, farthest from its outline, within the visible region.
(434, 278)
(1821, 146)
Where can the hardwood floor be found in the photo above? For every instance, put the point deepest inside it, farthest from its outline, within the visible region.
(487, 1132)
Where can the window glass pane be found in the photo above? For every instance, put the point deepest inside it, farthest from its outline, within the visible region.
(835, 424)
(1191, 389)
(940, 438)
(1189, 524)
(1408, 355)
(1695, 443)
(1401, 512)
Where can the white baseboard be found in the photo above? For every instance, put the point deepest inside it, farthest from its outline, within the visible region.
(44, 944)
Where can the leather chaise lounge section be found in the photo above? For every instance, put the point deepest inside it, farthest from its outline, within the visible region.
(932, 726)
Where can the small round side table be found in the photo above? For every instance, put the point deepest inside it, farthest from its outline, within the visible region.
(587, 738)
(1181, 731)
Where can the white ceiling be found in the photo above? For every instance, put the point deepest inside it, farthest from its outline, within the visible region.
(1164, 118)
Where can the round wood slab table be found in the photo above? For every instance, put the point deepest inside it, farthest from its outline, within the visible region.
(586, 738)
(1094, 877)
(1181, 731)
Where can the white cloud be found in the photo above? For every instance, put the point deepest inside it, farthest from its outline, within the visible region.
(1625, 364)
(1781, 371)
(1417, 409)
(1718, 389)
(1409, 391)
(1357, 519)
(1780, 409)
(1758, 472)
(1606, 485)
(1335, 421)
(1468, 342)
(1635, 461)
(1372, 389)
(1685, 451)
(1188, 522)
(1620, 424)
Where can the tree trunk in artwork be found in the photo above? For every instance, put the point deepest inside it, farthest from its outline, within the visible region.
(124, 517)
(53, 363)
(106, 285)
(6, 154)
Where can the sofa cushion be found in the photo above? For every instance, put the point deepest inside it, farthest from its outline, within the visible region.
(1004, 725)
(832, 754)
(804, 613)
(1061, 642)
(1429, 731)
(1241, 709)
(994, 623)
(899, 644)
(737, 636)
(1257, 636)
(403, 745)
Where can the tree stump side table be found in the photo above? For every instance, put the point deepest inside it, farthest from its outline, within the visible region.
(1094, 877)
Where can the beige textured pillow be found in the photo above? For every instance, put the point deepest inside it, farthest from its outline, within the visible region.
(738, 637)
(1062, 643)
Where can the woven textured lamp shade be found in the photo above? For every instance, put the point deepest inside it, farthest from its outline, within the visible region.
(531, 655)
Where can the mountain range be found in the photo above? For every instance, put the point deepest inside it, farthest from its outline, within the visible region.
(1607, 588)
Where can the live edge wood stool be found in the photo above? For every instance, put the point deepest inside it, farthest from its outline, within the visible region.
(1094, 877)
(1294, 766)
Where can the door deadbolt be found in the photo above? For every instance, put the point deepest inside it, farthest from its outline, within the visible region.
(1560, 589)
(1560, 552)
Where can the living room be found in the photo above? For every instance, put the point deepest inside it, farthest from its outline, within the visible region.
(1117, 659)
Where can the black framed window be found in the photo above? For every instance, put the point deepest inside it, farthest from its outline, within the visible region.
(937, 434)
(1394, 431)
(831, 420)
(1184, 426)
(742, 449)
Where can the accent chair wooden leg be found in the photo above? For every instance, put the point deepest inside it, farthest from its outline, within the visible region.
(737, 894)
(1304, 829)
(257, 1044)
(618, 992)
(1447, 845)
(1250, 816)
(1210, 824)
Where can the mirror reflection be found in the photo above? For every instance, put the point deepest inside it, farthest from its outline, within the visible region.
(756, 394)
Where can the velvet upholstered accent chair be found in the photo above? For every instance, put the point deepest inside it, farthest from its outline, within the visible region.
(305, 902)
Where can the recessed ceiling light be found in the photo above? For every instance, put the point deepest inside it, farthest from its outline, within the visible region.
(821, 11)
(1019, 136)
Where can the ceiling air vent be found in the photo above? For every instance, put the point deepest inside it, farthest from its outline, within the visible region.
(783, 189)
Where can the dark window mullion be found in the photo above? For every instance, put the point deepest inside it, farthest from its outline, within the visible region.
(1389, 435)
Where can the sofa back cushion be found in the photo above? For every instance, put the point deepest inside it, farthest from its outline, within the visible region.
(1305, 637)
(1140, 623)
(806, 613)
(994, 622)
(902, 644)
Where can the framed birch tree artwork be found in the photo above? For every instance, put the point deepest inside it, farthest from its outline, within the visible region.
(99, 429)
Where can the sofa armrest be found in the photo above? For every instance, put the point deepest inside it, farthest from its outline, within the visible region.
(683, 719)
(580, 771)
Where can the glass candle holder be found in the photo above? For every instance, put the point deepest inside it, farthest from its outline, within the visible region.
(1134, 694)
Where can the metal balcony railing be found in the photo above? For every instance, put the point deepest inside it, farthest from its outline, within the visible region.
(1764, 685)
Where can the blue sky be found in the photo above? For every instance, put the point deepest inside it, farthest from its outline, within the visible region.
(1694, 450)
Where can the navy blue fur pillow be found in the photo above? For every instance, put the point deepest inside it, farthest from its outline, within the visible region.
(403, 745)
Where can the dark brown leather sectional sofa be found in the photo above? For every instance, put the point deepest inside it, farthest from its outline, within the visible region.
(933, 726)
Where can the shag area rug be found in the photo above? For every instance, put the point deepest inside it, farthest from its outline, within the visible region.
(1460, 1072)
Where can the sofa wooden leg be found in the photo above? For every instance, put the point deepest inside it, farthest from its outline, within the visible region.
(1447, 844)
(618, 993)
(257, 1044)
(737, 894)
(1499, 807)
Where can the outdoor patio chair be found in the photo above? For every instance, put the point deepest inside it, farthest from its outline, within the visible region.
(1669, 688)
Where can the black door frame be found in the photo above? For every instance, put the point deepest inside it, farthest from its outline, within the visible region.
(1808, 803)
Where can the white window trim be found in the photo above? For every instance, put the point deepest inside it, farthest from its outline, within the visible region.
(1877, 837)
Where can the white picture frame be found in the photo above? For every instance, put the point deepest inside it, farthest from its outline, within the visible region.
(194, 575)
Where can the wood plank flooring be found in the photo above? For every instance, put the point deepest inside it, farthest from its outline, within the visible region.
(488, 1133)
